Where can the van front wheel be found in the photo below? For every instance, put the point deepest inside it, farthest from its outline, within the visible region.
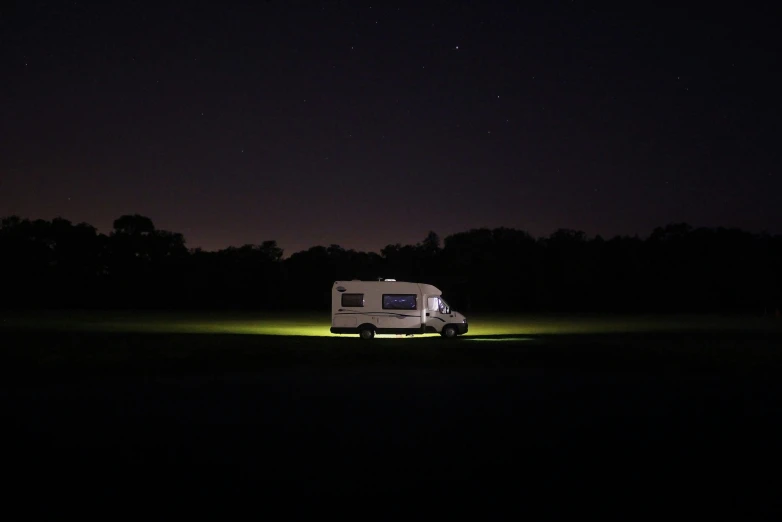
(449, 332)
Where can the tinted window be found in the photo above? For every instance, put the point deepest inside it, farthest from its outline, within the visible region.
(353, 300)
(400, 301)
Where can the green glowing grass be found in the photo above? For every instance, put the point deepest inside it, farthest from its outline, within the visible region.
(193, 323)
(309, 324)
(520, 325)
(512, 339)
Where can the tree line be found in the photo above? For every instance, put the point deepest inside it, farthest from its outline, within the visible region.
(677, 268)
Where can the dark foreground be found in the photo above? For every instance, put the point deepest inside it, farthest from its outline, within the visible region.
(174, 425)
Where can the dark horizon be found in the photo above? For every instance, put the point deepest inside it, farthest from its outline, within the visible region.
(411, 239)
(286, 253)
(678, 268)
(317, 123)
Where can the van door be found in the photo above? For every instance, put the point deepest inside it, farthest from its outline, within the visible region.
(434, 317)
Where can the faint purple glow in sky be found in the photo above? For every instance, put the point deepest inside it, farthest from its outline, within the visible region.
(319, 123)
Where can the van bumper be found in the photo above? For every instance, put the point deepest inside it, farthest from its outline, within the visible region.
(462, 328)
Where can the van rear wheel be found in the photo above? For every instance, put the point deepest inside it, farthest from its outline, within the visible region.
(366, 333)
(449, 332)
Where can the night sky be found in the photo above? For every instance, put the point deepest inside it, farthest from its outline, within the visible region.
(364, 124)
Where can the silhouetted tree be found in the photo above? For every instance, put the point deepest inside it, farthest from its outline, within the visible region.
(133, 225)
(431, 244)
(677, 268)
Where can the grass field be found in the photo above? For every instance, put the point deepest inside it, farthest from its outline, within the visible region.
(200, 405)
(166, 342)
(317, 325)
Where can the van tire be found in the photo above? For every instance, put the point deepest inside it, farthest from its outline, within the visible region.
(449, 332)
(366, 332)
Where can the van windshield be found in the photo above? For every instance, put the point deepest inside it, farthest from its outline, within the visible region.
(439, 305)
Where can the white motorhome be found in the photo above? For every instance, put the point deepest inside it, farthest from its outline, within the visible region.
(388, 306)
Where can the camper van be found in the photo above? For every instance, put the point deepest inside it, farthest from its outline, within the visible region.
(387, 306)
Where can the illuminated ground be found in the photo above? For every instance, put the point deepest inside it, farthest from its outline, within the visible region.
(317, 325)
(205, 405)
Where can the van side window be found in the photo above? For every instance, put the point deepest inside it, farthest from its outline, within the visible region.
(353, 300)
(400, 302)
